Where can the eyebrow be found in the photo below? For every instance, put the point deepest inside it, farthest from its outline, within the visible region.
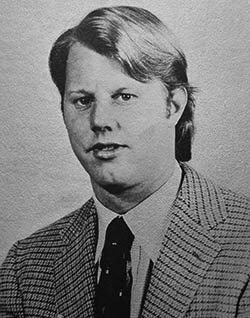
(84, 92)
(119, 90)
(79, 91)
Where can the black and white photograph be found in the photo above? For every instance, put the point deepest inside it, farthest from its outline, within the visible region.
(124, 159)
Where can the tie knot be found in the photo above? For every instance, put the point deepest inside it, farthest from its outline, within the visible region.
(118, 235)
(117, 244)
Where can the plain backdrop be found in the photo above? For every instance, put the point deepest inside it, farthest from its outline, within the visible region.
(40, 179)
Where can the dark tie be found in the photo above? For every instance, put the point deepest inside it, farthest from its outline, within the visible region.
(113, 292)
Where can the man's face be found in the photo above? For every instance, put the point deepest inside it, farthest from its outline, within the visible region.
(117, 126)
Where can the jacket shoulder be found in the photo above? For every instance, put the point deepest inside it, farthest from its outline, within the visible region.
(197, 182)
(52, 238)
(212, 203)
(29, 266)
(236, 202)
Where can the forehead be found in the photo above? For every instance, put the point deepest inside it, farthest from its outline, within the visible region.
(87, 67)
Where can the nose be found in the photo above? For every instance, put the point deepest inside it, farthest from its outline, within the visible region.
(102, 117)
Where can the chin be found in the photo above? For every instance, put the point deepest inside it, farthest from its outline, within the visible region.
(113, 182)
(115, 189)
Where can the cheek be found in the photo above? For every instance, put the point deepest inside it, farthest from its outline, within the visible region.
(144, 119)
(77, 131)
(150, 143)
(149, 131)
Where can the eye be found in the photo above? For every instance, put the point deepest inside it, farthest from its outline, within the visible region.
(124, 96)
(83, 102)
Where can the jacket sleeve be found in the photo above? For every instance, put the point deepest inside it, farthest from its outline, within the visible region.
(10, 295)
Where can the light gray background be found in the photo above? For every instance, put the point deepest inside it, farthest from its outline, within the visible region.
(40, 179)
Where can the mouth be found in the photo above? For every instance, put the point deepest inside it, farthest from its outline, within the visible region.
(106, 150)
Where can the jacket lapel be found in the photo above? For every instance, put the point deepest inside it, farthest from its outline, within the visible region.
(187, 250)
(75, 269)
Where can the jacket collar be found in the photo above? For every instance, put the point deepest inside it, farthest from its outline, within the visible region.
(203, 197)
(188, 248)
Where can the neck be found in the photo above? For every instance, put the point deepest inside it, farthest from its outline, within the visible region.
(122, 198)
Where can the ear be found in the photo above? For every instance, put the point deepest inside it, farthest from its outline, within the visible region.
(177, 102)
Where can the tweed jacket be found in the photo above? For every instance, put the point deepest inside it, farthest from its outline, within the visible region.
(203, 268)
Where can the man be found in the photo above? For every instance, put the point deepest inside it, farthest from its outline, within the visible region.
(128, 109)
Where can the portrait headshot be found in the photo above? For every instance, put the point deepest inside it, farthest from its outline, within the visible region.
(124, 159)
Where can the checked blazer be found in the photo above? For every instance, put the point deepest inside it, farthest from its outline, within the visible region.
(203, 268)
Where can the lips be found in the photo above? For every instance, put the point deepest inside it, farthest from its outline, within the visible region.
(106, 150)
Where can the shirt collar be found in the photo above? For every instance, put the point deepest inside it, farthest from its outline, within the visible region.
(148, 220)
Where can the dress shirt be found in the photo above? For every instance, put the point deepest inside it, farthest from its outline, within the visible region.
(148, 221)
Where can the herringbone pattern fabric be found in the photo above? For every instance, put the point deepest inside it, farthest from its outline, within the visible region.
(203, 269)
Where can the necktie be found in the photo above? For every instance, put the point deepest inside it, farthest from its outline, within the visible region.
(114, 289)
